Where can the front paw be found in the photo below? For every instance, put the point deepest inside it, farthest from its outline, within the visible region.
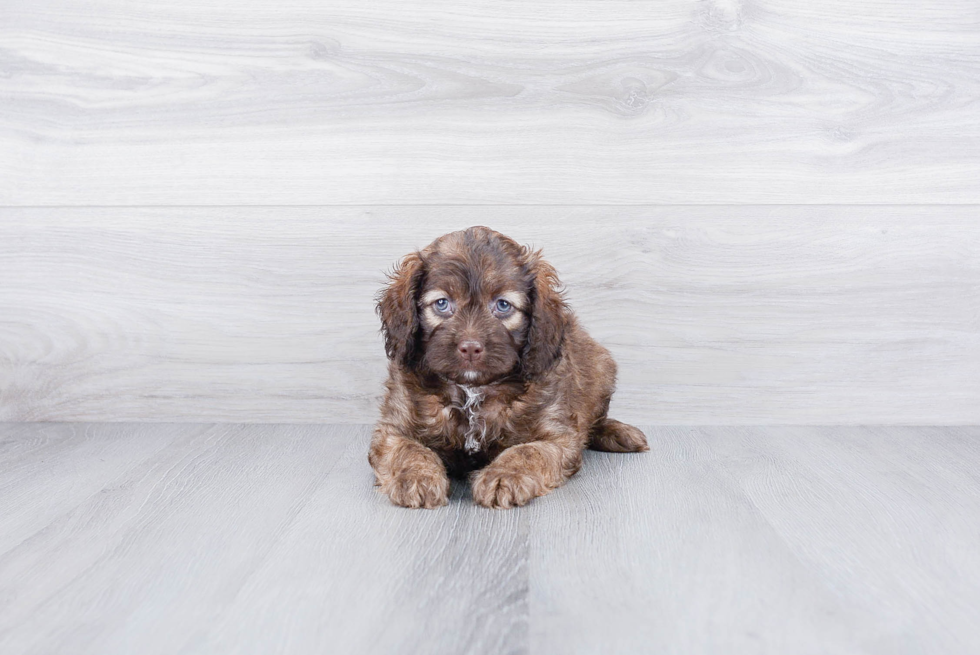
(500, 488)
(425, 487)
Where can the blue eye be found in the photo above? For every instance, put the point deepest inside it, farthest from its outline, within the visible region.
(502, 306)
(441, 305)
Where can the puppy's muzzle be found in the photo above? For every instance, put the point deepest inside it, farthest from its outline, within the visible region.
(471, 351)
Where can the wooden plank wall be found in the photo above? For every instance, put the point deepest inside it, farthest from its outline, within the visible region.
(751, 314)
(767, 210)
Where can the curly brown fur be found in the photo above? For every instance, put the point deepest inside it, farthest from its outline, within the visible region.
(489, 373)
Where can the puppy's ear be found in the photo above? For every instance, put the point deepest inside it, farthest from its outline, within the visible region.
(549, 316)
(398, 309)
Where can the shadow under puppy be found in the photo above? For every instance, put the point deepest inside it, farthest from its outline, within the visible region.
(489, 372)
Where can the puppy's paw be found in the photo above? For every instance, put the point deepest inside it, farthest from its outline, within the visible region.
(426, 487)
(500, 488)
(615, 437)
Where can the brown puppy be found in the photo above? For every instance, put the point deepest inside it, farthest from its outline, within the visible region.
(488, 370)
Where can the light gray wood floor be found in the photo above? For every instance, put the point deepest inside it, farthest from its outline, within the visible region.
(167, 538)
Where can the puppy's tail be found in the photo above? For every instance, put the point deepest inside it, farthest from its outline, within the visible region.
(615, 437)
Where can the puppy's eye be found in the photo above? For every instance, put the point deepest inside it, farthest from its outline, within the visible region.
(441, 305)
(502, 306)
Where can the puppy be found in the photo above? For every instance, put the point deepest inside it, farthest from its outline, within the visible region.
(489, 372)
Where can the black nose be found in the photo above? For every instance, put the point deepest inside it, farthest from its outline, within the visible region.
(472, 351)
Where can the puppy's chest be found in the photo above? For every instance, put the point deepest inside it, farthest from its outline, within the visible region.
(472, 418)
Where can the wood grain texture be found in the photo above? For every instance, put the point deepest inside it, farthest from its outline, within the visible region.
(271, 539)
(716, 315)
(556, 101)
(241, 539)
(43, 461)
(356, 574)
(147, 560)
(764, 540)
(685, 563)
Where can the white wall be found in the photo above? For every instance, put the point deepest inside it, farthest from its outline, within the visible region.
(767, 210)
(750, 314)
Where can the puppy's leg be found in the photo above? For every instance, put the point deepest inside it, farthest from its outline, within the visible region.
(408, 472)
(525, 471)
(615, 437)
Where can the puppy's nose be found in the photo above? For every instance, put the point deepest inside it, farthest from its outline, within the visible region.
(472, 351)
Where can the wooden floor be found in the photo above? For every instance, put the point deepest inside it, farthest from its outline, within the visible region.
(167, 538)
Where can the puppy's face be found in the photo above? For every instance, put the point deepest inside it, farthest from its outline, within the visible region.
(474, 306)
(473, 311)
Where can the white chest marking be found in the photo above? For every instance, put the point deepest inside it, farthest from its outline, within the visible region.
(476, 430)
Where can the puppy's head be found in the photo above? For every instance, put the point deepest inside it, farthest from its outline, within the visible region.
(474, 306)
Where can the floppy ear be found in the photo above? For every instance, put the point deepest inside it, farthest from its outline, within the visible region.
(548, 319)
(397, 307)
